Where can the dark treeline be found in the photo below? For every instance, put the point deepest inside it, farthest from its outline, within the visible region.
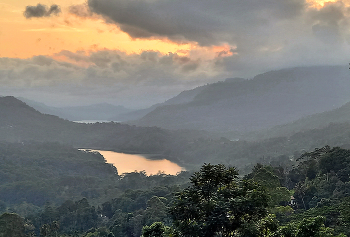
(33, 174)
(75, 193)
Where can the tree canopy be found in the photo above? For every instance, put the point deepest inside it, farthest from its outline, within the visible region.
(218, 203)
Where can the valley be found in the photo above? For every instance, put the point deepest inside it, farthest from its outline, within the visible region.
(75, 168)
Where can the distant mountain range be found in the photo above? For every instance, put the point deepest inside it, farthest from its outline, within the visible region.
(242, 106)
(184, 97)
(21, 123)
(276, 103)
(103, 111)
(315, 121)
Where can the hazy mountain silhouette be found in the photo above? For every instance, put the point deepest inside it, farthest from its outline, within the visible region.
(103, 111)
(184, 97)
(20, 122)
(267, 100)
(315, 121)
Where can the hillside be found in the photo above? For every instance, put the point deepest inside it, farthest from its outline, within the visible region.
(20, 122)
(315, 121)
(184, 97)
(189, 148)
(267, 100)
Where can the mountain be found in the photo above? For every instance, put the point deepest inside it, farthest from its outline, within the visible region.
(267, 100)
(103, 111)
(315, 121)
(184, 97)
(21, 123)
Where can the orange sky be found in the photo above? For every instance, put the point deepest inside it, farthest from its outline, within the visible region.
(23, 38)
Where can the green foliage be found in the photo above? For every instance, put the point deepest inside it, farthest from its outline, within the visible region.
(157, 229)
(329, 179)
(217, 202)
(308, 227)
(271, 178)
(266, 226)
(34, 173)
(11, 225)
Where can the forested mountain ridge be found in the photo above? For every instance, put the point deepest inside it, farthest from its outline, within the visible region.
(315, 121)
(267, 100)
(188, 148)
(19, 122)
(102, 203)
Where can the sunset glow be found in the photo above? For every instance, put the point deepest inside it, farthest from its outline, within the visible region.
(23, 38)
(319, 3)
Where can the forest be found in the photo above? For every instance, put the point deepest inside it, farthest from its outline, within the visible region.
(51, 189)
(279, 186)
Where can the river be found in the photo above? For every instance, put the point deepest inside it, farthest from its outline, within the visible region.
(126, 163)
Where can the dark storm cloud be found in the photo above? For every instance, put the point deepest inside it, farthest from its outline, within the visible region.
(41, 11)
(262, 34)
(206, 22)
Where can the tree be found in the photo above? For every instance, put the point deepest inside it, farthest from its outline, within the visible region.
(217, 202)
(265, 176)
(157, 229)
(308, 227)
(11, 225)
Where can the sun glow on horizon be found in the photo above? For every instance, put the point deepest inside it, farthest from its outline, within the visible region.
(318, 4)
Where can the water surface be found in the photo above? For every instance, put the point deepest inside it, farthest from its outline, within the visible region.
(126, 163)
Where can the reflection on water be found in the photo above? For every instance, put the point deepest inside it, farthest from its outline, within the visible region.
(126, 163)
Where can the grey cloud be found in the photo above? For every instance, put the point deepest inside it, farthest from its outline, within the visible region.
(328, 22)
(206, 22)
(331, 13)
(190, 66)
(326, 33)
(263, 34)
(41, 10)
(150, 76)
(81, 10)
(54, 9)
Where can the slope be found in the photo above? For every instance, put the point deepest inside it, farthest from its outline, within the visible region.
(267, 100)
(20, 123)
(315, 121)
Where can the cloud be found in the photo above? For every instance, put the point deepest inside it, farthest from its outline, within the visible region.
(285, 31)
(81, 10)
(228, 38)
(136, 80)
(330, 22)
(205, 22)
(41, 11)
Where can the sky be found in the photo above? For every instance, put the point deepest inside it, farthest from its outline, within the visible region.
(140, 52)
